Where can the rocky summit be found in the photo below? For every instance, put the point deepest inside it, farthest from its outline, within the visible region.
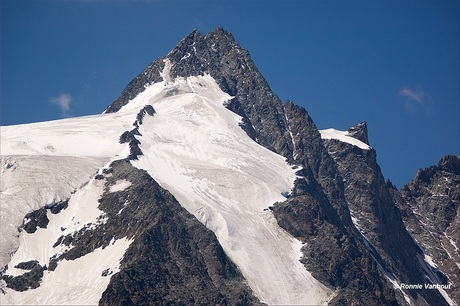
(198, 185)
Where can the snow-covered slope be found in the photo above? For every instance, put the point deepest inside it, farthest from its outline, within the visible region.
(194, 148)
(31, 181)
(344, 137)
(73, 282)
(43, 163)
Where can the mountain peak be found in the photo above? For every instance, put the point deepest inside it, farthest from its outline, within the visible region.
(218, 34)
(450, 163)
(231, 66)
(221, 34)
(187, 43)
(359, 131)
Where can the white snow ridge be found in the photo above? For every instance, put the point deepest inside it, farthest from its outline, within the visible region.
(344, 137)
(194, 148)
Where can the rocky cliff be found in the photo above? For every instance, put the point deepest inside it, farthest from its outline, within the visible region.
(430, 207)
(378, 218)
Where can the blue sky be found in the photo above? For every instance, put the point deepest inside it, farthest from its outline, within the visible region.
(394, 64)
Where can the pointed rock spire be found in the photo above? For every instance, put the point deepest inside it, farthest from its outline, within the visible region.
(359, 132)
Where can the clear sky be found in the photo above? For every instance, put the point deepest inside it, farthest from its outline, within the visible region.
(394, 64)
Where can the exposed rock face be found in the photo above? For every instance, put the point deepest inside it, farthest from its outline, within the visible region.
(26, 281)
(130, 136)
(173, 258)
(318, 214)
(359, 132)
(148, 109)
(331, 252)
(39, 218)
(378, 218)
(430, 207)
(36, 219)
(310, 153)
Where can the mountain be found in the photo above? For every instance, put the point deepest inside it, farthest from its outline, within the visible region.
(199, 186)
(430, 207)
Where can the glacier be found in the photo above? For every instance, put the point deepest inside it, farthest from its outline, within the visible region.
(193, 147)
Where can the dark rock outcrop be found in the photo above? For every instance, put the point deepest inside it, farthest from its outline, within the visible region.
(359, 132)
(148, 109)
(56, 208)
(26, 281)
(130, 138)
(34, 219)
(39, 218)
(430, 207)
(27, 265)
(378, 218)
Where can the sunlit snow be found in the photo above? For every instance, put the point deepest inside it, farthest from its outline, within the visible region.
(194, 148)
(343, 136)
(74, 282)
(77, 282)
(43, 163)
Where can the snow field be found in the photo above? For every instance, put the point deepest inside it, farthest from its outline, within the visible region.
(87, 282)
(343, 136)
(194, 148)
(43, 163)
(77, 282)
(95, 136)
(30, 182)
